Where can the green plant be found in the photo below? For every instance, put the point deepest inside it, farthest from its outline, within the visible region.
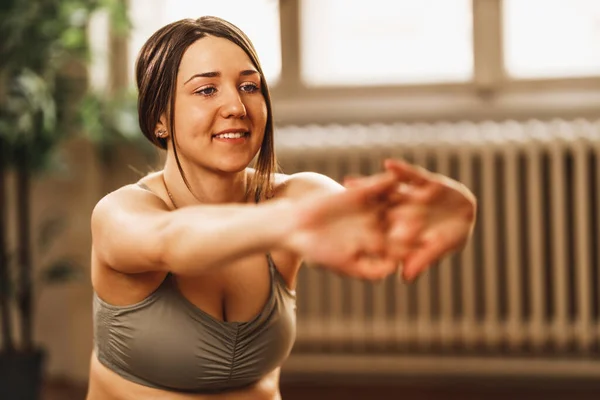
(44, 49)
(57, 270)
(27, 122)
(109, 121)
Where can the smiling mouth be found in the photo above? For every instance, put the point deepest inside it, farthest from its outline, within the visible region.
(232, 135)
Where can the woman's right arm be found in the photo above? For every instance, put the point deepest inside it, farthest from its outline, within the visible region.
(133, 231)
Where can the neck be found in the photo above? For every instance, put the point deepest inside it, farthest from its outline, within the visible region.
(205, 187)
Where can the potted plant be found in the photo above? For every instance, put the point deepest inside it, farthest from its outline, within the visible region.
(43, 43)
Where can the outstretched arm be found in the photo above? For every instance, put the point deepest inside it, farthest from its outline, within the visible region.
(133, 231)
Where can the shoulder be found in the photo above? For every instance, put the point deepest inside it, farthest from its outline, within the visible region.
(304, 183)
(128, 199)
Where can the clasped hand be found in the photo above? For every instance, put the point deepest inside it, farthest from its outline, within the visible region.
(403, 218)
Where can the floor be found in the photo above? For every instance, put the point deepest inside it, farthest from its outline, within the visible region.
(61, 390)
(353, 389)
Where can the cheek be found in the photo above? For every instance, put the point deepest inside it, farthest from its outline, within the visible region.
(260, 113)
(190, 119)
(264, 112)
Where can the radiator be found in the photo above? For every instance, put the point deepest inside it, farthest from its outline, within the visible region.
(527, 284)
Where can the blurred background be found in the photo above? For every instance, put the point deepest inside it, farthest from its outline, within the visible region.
(503, 95)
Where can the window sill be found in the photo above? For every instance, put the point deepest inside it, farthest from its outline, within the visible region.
(451, 105)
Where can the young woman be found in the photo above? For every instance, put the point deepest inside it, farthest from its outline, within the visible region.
(194, 266)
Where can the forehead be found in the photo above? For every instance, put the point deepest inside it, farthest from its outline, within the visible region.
(214, 54)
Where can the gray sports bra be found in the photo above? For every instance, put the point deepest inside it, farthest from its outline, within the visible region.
(166, 342)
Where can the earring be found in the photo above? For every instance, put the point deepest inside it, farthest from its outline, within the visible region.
(162, 133)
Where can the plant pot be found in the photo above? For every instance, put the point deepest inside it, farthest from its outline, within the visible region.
(21, 375)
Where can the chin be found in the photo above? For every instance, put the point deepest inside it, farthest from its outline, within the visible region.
(232, 167)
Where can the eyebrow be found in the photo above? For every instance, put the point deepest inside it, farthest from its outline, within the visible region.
(214, 74)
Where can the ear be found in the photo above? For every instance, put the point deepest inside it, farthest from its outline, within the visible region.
(160, 130)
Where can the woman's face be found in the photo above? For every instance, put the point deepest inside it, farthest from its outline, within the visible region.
(220, 112)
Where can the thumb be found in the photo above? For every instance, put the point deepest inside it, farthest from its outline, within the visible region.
(373, 186)
(406, 172)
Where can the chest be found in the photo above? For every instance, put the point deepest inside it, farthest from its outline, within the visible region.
(168, 342)
(234, 293)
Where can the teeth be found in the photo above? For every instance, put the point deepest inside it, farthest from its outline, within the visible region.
(231, 135)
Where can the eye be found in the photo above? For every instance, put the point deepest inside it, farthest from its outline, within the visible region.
(249, 87)
(206, 91)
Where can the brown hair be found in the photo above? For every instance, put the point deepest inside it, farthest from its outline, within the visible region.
(156, 74)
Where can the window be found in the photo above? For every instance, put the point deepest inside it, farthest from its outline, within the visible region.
(259, 19)
(357, 43)
(99, 48)
(375, 60)
(552, 38)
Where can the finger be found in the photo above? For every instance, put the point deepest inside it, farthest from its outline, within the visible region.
(373, 187)
(374, 268)
(371, 190)
(406, 221)
(370, 234)
(407, 213)
(402, 242)
(373, 242)
(406, 172)
(362, 180)
(421, 259)
(400, 252)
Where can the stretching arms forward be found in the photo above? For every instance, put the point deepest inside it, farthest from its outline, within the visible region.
(405, 215)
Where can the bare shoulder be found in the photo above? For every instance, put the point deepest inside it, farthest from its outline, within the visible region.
(123, 253)
(129, 198)
(146, 193)
(126, 252)
(301, 184)
(122, 219)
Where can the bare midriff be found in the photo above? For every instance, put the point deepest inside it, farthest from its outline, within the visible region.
(104, 384)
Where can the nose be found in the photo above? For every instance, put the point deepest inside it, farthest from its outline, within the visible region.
(233, 106)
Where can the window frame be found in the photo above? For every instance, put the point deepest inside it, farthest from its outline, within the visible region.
(491, 95)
